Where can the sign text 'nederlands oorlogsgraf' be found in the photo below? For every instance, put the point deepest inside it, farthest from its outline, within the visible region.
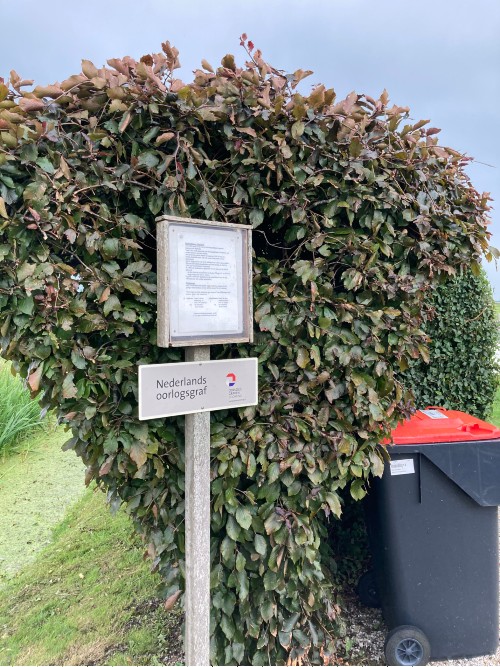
(186, 387)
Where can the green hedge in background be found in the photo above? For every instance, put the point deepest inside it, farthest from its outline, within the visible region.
(462, 373)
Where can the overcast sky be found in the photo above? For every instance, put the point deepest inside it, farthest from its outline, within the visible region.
(439, 57)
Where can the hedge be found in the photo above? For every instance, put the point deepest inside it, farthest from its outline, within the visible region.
(462, 372)
(356, 211)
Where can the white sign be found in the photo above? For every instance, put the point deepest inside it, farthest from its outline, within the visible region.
(434, 414)
(402, 467)
(182, 388)
(204, 282)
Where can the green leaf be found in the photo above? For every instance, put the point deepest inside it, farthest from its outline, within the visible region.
(238, 651)
(357, 490)
(260, 545)
(227, 548)
(298, 129)
(333, 501)
(376, 412)
(268, 323)
(26, 305)
(243, 589)
(243, 517)
(302, 357)
(111, 304)
(290, 623)
(270, 580)
(232, 528)
(227, 626)
(148, 159)
(45, 164)
(132, 286)
(256, 217)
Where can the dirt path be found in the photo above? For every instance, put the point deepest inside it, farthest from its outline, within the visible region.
(35, 491)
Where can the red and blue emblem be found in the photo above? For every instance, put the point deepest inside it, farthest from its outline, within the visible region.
(230, 379)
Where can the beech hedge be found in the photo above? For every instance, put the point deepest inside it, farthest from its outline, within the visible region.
(356, 211)
(462, 372)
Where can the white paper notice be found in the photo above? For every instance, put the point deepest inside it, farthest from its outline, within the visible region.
(402, 467)
(207, 274)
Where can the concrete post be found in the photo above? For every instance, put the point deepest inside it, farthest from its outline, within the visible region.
(197, 499)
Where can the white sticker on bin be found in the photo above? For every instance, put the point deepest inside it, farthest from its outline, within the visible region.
(434, 414)
(402, 467)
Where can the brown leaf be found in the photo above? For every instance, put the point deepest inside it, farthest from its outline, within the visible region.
(127, 117)
(176, 85)
(247, 130)
(29, 104)
(4, 91)
(70, 234)
(105, 295)
(172, 55)
(298, 75)
(48, 91)
(119, 66)
(106, 466)
(89, 69)
(162, 138)
(3, 209)
(206, 65)
(138, 454)
(35, 377)
(228, 62)
(170, 601)
(35, 214)
(73, 81)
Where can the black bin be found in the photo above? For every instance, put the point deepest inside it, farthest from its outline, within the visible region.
(432, 524)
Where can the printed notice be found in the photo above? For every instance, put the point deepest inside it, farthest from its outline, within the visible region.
(402, 467)
(206, 274)
(434, 414)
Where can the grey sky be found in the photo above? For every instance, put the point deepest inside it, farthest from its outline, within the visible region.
(439, 57)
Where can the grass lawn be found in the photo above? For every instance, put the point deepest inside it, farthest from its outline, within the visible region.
(37, 486)
(88, 599)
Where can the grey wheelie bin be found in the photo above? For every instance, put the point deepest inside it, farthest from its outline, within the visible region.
(432, 524)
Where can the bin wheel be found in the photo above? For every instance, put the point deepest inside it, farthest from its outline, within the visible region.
(407, 645)
(368, 590)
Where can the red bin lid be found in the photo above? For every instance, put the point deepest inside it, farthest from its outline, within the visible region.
(434, 425)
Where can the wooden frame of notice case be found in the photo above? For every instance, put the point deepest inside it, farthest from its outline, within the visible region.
(204, 282)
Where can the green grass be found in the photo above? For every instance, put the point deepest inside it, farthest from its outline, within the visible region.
(88, 599)
(19, 413)
(36, 489)
(495, 412)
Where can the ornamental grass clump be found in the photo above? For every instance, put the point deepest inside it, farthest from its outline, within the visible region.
(356, 210)
(19, 413)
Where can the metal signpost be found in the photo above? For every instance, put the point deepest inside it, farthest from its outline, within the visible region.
(204, 298)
